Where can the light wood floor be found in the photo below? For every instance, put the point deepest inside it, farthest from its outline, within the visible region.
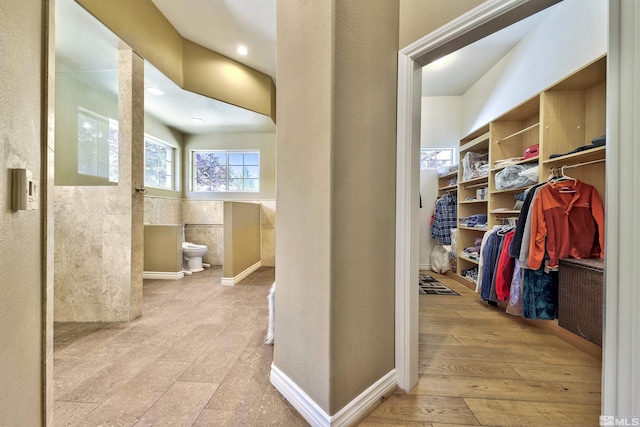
(481, 366)
(196, 358)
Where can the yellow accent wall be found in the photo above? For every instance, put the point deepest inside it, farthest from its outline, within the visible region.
(195, 68)
(241, 237)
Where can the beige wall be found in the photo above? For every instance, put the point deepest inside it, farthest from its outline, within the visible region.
(303, 194)
(22, 248)
(336, 196)
(421, 17)
(163, 248)
(241, 237)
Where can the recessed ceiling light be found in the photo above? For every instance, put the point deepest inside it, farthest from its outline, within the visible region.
(155, 91)
(197, 120)
(242, 50)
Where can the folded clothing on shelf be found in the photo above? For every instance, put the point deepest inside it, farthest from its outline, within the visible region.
(446, 170)
(595, 143)
(473, 220)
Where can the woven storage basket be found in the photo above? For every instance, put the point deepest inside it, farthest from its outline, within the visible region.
(580, 297)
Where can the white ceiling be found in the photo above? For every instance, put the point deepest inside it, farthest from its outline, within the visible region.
(87, 49)
(454, 74)
(222, 25)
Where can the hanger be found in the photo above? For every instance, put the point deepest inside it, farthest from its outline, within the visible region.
(558, 175)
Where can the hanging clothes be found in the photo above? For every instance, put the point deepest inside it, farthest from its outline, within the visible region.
(540, 294)
(514, 306)
(516, 244)
(483, 257)
(504, 269)
(567, 220)
(445, 217)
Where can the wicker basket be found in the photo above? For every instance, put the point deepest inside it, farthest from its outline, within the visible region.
(580, 297)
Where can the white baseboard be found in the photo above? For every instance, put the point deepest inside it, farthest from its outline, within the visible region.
(424, 266)
(231, 281)
(163, 275)
(315, 416)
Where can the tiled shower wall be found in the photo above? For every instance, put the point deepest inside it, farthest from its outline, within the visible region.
(204, 219)
(92, 254)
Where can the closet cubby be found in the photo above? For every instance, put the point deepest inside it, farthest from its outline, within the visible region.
(448, 183)
(472, 200)
(573, 114)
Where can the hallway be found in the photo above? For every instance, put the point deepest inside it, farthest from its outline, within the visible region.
(196, 358)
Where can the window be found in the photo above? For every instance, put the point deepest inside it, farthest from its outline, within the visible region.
(436, 158)
(158, 164)
(97, 145)
(220, 171)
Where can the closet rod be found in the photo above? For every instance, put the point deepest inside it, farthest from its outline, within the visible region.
(186, 225)
(476, 186)
(527, 129)
(580, 164)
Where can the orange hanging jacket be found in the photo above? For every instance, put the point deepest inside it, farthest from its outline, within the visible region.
(568, 221)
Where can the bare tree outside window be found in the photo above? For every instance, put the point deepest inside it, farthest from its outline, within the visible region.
(158, 164)
(436, 158)
(220, 171)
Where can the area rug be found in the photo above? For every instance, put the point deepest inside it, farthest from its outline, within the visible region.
(430, 286)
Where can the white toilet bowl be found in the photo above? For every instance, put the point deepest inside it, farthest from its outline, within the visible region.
(192, 255)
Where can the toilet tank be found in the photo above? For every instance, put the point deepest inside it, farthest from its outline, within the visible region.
(163, 248)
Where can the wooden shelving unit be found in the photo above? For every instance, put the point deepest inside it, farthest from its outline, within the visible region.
(568, 115)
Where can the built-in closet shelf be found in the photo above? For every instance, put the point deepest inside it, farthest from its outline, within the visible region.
(520, 132)
(453, 187)
(464, 227)
(510, 190)
(449, 175)
(473, 201)
(579, 157)
(476, 182)
(502, 211)
(529, 160)
(480, 142)
(473, 261)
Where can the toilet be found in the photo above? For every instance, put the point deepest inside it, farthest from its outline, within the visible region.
(192, 255)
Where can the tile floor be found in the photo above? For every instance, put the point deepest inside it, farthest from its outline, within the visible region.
(196, 358)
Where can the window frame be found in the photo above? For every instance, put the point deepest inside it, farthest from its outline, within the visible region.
(174, 162)
(116, 165)
(452, 150)
(227, 153)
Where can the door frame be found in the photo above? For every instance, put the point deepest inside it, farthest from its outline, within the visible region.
(489, 17)
(621, 329)
(462, 31)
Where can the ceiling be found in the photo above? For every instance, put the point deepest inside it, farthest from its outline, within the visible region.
(86, 48)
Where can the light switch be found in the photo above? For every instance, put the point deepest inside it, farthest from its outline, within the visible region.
(25, 190)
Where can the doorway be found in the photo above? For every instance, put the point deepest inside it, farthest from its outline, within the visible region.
(472, 27)
(620, 393)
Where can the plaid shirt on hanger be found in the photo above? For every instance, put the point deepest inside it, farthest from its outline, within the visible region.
(445, 218)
